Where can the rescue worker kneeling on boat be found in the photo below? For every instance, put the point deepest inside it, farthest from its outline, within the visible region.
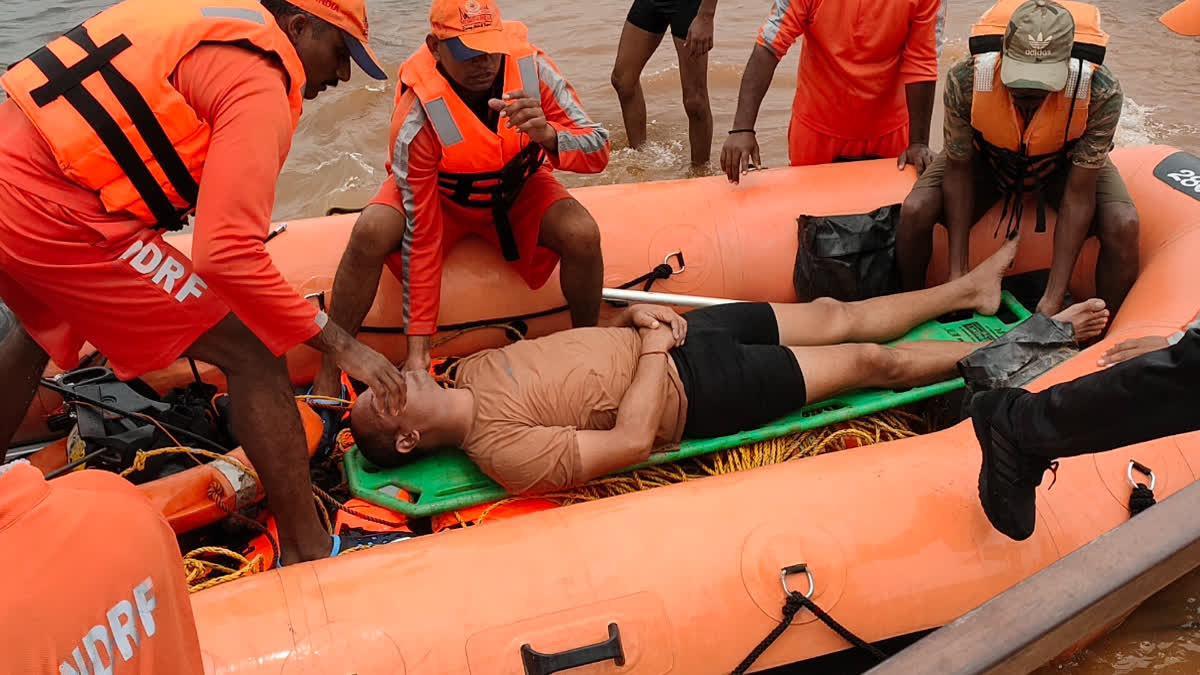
(557, 411)
(1147, 390)
(479, 114)
(1032, 111)
(123, 609)
(119, 129)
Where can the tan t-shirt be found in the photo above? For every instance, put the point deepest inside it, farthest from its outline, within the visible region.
(532, 396)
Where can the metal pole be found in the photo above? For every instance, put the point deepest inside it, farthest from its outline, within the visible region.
(622, 295)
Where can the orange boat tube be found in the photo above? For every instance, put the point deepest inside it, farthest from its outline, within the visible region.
(690, 574)
(202, 494)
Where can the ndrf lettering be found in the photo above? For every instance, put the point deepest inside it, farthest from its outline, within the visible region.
(147, 258)
(119, 632)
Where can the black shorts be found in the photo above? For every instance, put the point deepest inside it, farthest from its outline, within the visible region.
(734, 372)
(653, 16)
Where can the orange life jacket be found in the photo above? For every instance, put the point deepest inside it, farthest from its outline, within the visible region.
(102, 99)
(480, 167)
(1024, 155)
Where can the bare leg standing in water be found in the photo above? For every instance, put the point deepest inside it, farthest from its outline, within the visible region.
(643, 32)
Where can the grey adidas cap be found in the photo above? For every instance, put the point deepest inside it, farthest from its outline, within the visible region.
(1037, 46)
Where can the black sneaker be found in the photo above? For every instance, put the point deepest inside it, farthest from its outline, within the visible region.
(1007, 477)
(354, 542)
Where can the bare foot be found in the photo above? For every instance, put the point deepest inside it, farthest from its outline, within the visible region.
(1088, 317)
(985, 279)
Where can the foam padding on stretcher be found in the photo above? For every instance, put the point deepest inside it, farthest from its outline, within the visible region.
(445, 480)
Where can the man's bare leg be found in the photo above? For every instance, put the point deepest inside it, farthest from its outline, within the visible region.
(569, 230)
(693, 79)
(267, 423)
(919, 213)
(22, 362)
(633, 51)
(1117, 265)
(830, 322)
(831, 370)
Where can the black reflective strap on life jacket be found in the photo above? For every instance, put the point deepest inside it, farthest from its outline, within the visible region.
(68, 83)
(496, 190)
(1013, 170)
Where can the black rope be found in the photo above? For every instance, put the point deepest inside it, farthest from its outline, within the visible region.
(1140, 499)
(794, 603)
(661, 271)
(195, 371)
(790, 607)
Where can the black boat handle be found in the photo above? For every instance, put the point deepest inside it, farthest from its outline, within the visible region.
(537, 663)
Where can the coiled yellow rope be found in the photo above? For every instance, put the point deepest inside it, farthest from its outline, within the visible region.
(198, 567)
(880, 427)
(877, 428)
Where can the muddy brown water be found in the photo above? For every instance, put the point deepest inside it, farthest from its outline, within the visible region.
(338, 155)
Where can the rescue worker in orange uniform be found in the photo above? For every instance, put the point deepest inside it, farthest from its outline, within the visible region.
(481, 116)
(864, 88)
(124, 609)
(111, 134)
(1032, 111)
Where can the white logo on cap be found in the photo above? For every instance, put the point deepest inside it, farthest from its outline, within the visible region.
(471, 7)
(1037, 45)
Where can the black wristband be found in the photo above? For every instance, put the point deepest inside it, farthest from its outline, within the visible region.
(741, 131)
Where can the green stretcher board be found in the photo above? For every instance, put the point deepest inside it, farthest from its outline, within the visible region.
(445, 480)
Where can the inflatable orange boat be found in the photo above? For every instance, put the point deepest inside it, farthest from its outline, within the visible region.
(689, 578)
(721, 242)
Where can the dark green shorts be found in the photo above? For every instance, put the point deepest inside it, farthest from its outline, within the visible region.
(1110, 187)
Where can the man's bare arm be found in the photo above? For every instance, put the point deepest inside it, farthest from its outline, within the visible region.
(638, 416)
(919, 98)
(741, 149)
(958, 188)
(1075, 216)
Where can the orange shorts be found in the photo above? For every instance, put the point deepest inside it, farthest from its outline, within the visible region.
(540, 192)
(136, 299)
(806, 146)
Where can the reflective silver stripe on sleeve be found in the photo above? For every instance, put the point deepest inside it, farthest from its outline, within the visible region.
(408, 131)
(590, 142)
(770, 29)
(232, 13)
(529, 75)
(985, 70)
(443, 122)
(585, 143)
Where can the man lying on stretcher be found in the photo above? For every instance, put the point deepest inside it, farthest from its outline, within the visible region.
(554, 412)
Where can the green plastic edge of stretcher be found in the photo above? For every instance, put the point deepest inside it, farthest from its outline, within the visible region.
(445, 480)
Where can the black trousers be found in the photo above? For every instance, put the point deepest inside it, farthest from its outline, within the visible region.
(1152, 396)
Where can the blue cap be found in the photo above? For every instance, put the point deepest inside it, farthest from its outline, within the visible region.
(363, 58)
(460, 51)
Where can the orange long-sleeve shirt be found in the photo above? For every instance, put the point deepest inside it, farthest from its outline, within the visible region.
(583, 147)
(241, 94)
(857, 57)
